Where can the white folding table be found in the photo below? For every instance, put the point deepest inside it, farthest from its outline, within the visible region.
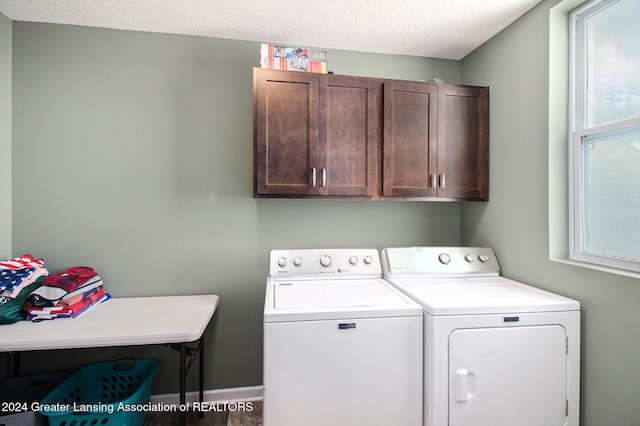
(167, 320)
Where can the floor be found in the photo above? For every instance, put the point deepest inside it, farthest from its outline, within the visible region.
(231, 415)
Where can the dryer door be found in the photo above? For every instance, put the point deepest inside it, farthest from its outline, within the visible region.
(513, 376)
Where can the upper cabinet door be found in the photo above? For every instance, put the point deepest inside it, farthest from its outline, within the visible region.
(410, 139)
(286, 124)
(349, 135)
(463, 142)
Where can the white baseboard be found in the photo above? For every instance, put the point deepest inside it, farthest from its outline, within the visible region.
(249, 393)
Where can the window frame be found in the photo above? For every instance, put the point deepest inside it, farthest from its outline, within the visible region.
(578, 131)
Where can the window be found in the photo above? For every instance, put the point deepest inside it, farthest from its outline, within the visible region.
(604, 139)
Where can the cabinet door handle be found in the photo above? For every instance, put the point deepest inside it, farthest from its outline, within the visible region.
(324, 177)
(313, 176)
(442, 181)
(433, 181)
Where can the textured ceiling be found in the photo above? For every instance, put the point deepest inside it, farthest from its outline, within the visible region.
(447, 29)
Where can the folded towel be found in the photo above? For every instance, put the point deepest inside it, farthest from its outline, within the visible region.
(59, 285)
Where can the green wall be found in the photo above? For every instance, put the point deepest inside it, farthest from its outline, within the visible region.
(132, 153)
(528, 140)
(5, 136)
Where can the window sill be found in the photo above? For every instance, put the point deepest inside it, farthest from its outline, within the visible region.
(600, 268)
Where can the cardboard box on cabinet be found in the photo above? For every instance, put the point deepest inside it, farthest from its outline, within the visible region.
(293, 58)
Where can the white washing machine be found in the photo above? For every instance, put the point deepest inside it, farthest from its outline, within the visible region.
(497, 352)
(341, 345)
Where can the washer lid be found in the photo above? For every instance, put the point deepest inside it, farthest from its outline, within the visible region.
(335, 299)
(481, 295)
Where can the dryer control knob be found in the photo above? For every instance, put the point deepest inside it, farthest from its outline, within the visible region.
(444, 258)
(282, 262)
(469, 258)
(325, 261)
(297, 261)
(368, 260)
(353, 260)
(483, 257)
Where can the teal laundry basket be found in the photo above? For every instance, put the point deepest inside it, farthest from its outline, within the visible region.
(107, 393)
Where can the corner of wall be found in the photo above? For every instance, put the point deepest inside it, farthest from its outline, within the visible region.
(6, 63)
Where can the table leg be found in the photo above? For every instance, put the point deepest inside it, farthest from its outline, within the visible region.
(192, 352)
(201, 355)
(183, 361)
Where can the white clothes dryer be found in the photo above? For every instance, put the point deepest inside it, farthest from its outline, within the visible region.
(341, 345)
(497, 352)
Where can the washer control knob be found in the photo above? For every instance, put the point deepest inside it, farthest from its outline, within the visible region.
(444, 258)
(282, 262)
(469, 258)
(325, 260)
(297, 261)
(353, 260)
(482, 257)
(368, 260)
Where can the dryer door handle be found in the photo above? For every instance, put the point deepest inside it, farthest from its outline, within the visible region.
(465, 385)
(462, 384)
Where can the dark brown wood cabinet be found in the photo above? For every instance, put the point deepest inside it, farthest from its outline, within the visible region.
(435, 141)
(410, 150)
(315, 135)
(332, 136)
(349, 134)
(463, 142)
(286, 124)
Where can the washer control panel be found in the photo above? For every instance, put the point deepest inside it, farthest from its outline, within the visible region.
(439, 261)
(324, 264)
